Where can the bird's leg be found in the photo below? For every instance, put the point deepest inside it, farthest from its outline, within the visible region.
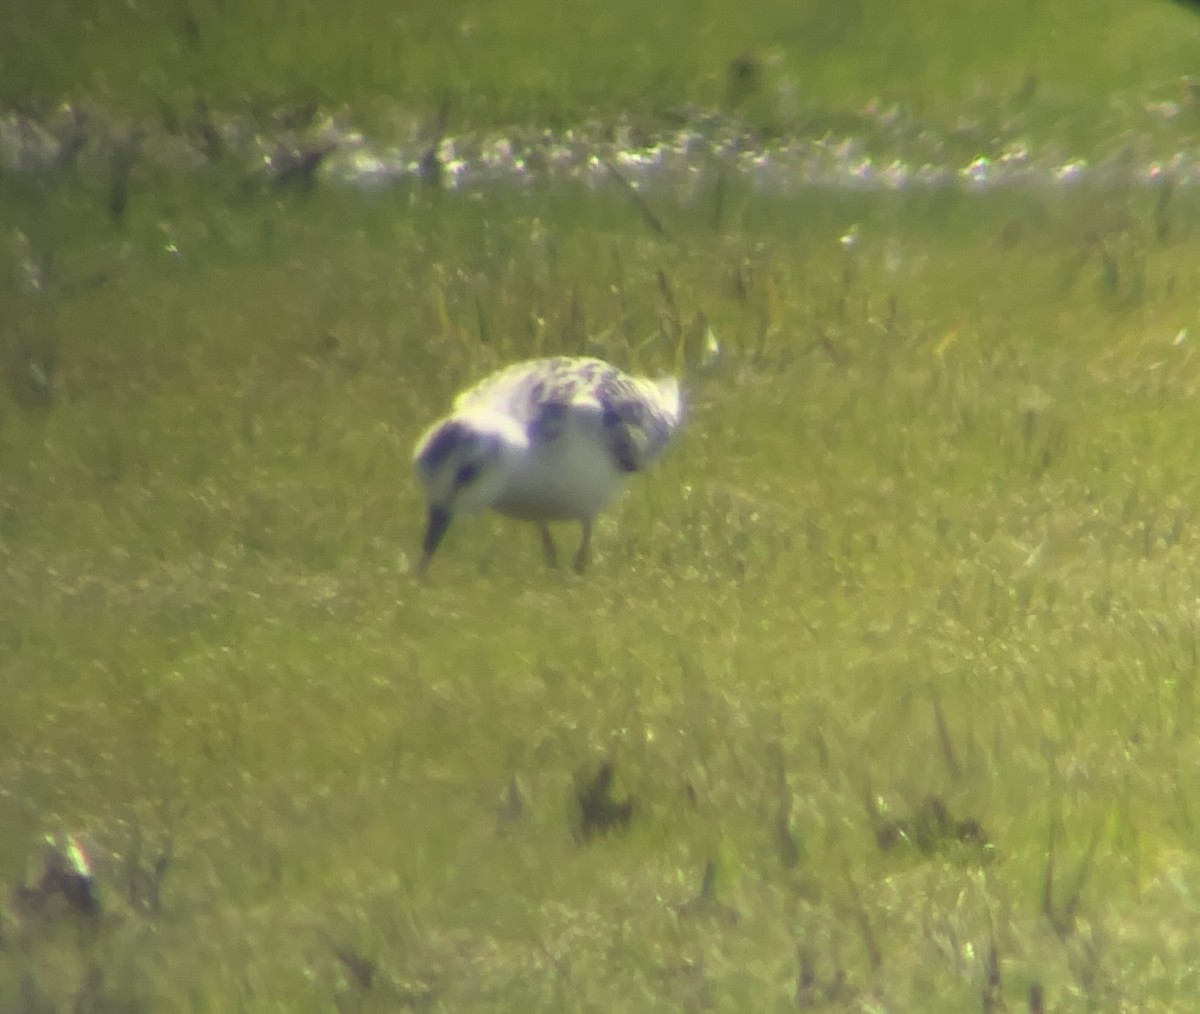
(585, 547)
(548, 547)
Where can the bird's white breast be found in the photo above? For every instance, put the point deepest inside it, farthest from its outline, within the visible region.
(570, 477)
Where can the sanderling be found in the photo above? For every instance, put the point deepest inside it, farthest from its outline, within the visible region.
(544, 440)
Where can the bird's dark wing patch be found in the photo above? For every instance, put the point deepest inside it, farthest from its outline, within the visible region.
(624, 449)
(624, 422)
(547, 421)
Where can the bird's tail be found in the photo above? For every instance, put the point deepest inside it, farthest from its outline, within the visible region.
(670, 398)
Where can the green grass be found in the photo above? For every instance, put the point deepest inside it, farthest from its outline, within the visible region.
(925, 547)
(1078, 71)
(929, 533)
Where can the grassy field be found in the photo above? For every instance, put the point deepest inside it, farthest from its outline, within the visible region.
(1073, 69)
(890, 665)
(928, 537)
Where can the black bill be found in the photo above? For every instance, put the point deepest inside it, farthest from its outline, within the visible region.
(439, 521)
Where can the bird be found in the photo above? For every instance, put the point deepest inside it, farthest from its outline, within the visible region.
(549, 439)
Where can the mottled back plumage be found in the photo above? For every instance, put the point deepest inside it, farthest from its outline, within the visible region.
(638, 415)
(547, 439)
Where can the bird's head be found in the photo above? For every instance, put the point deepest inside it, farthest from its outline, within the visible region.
(464, 464)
